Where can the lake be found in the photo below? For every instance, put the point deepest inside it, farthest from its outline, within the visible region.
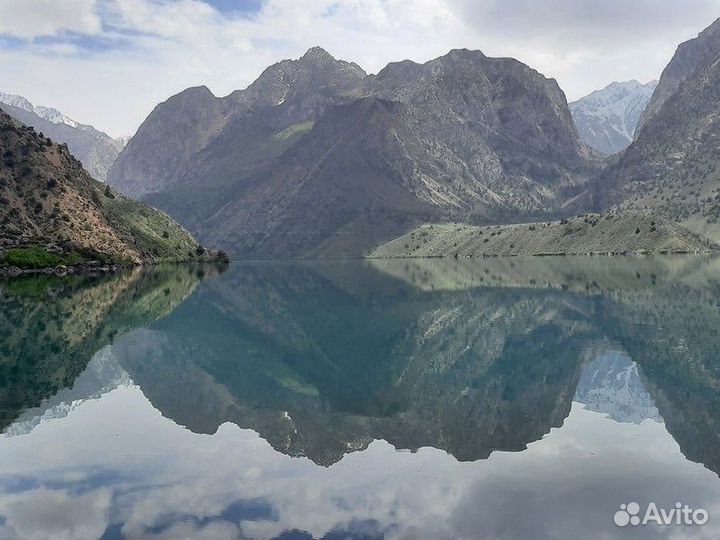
(484, 398)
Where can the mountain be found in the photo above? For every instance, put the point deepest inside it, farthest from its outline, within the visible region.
(195, 133)
(367, 156)
(671, 169)
(95, 150)
(688, 57)
(606, 119)
(53, 213)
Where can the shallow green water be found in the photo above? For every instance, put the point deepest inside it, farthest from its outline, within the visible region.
(498, 398)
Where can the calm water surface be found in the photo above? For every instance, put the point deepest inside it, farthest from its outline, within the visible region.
(380, 399)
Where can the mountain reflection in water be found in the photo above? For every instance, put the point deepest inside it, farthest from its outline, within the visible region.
(421, 398)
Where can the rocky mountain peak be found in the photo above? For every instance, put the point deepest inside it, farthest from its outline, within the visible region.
(366, 156)
(606, 119)
(317, 54)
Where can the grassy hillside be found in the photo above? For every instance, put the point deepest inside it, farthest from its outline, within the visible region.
(588, 234)
(53, 213)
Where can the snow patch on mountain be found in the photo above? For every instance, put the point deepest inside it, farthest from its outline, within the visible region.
(47, 113)
(607, 118)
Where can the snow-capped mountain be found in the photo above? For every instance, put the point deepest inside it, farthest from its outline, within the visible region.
(46, 113)
(607, 118)
(95, 150)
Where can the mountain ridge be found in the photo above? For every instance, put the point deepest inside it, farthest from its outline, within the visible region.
(473, 135)
(95, 149)
(607, 118)
(671, 169)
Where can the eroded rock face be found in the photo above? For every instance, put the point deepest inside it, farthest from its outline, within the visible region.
(316, 157)
(689, 56)
(671, 170)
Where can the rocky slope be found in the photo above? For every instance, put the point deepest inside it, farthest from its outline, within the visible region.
(195, 142)
(96, 150)
(688, 57)
(52, 212)
(462, 136)
(607, 118)
(587, 234)
(671, 169)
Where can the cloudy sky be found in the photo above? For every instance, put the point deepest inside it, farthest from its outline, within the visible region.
(109, 62)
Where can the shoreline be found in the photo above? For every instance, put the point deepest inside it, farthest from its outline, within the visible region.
(91, 269)
(637, 253)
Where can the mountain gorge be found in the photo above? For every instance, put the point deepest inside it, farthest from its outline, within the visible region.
(96, 150)
(368, 156)
(606, 119)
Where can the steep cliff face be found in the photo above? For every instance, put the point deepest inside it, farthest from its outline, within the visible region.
(689, 56)
(671, 170)
(315, 157)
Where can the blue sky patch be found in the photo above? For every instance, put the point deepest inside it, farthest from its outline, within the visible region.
(246, 7)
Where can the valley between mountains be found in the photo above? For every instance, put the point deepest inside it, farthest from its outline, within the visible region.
(464, 155)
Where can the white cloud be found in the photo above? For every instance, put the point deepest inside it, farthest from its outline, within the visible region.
(150, 49)
(35, 18)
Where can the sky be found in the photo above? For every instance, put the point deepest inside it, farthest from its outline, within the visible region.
(109, 62)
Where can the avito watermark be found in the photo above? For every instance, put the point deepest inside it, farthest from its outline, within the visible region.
(681, 514)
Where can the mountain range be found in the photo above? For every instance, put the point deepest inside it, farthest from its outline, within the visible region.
(318, 158)
(606, 119)
(463, 136)
(95, 150)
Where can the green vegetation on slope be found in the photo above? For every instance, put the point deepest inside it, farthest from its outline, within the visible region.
(155, 234)
(52, 213)
(586, 234)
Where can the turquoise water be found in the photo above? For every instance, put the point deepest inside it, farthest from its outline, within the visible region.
(497, 398)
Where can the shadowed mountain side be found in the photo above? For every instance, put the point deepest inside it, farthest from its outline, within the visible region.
(50, 327)
(368, 156)
(350, 173)
(319, 372)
